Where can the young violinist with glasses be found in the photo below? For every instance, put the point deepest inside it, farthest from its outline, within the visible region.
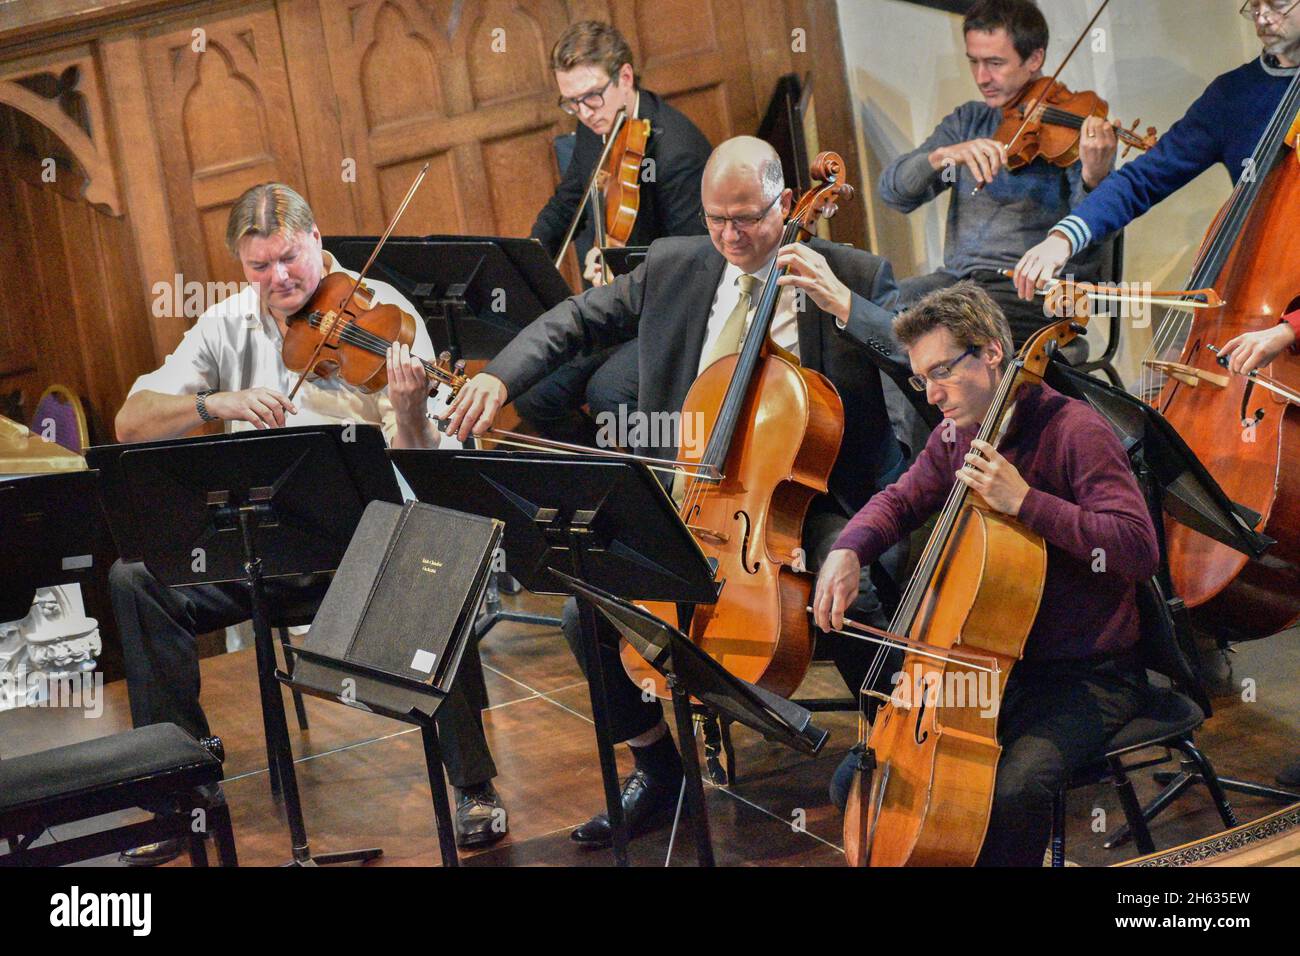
(993, 213)
(596, 78)
(1222, 126)
(229, 368)
(1061, 471)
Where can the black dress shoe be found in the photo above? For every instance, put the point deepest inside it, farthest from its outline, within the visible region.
(1289, 776)
(480, 816)
(153, 854)
(648, 804)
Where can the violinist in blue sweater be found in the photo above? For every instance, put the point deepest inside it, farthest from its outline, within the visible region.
(1222, 126)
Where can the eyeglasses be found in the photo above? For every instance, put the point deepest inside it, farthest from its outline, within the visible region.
(1273, 10)
(943, 371)
(742, 223)
(593, 100)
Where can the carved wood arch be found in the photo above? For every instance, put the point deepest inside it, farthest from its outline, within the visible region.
(89, 149)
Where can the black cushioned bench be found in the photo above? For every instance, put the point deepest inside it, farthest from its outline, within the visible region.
(158, 768)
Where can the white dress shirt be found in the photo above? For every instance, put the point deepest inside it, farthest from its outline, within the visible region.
(785, 328)
(236, 344)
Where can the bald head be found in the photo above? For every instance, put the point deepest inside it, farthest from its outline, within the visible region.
(747, 157)
(743, 185)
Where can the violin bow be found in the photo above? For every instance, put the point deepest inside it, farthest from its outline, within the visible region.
(410, 194)
(591, 181)
(1033, 107)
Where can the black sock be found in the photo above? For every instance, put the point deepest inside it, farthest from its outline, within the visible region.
(659, 759)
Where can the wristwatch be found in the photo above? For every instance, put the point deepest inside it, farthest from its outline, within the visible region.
(201, 404)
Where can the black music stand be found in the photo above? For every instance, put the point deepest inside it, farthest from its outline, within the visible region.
(52, 528)
(258, 505)
(691, 673)
(605, 520)
(350, 649)
(1174, 482)
(475, 292)
(623, 259)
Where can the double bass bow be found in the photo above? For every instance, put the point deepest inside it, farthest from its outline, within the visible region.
(773, 431)
(923, 790)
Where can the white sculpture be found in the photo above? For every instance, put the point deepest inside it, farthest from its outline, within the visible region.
(55, 641)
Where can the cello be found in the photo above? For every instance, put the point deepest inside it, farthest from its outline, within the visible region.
(1248, 439)
(773, 432)
(926, 771)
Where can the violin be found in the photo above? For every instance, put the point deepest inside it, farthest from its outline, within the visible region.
(619, 184)
(614, 187)
(1046, 120)
(341, 331)
(773, 430)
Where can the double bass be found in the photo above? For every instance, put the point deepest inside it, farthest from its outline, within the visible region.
(1247, 438)
(926, 771)
(773, 433)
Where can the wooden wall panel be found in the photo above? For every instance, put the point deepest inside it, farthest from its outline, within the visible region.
(72, 307)
(346, 99)
(225, 122)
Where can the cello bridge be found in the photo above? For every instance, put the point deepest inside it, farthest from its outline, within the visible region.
(719, 537)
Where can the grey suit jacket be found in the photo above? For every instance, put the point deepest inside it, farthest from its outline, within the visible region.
(664, 303)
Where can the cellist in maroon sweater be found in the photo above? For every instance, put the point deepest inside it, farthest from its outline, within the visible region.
(1062, 472)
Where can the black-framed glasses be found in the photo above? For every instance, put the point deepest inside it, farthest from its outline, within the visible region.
(1274, 9)
(593, 100)
(742, 223)
(943, 370)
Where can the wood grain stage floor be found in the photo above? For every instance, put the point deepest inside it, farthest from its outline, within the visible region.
(363, 781)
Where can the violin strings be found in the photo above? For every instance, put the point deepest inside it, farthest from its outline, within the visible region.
(353, 334)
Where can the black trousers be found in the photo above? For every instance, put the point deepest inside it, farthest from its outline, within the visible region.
(159, 627)
(603, 381)
(631, 715)
(1056, 718)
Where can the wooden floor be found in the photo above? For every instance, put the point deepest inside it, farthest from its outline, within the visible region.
(363, 781)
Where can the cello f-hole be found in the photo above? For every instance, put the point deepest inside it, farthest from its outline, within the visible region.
(750, 568)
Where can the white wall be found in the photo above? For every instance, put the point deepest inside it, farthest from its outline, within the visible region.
(907, 70)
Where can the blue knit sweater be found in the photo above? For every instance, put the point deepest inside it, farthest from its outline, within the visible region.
(1222, 126)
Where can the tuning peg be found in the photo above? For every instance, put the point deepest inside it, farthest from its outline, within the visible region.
(444, 358)
(459, 368)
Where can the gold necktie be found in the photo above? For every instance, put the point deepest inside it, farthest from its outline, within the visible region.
(728, 340)
(727, 343)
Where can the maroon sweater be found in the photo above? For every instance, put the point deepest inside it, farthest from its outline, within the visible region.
(1082, 497)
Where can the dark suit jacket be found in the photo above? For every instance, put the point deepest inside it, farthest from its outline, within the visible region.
(670, 205)
(665, 303)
